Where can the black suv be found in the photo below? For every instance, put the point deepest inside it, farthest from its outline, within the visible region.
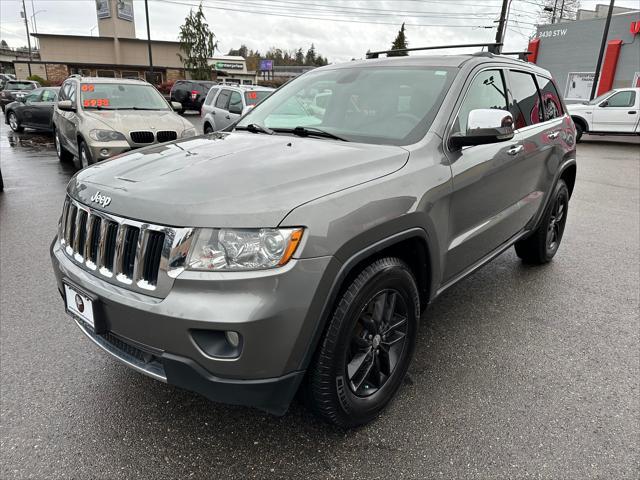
(190, 93)
(16, 89)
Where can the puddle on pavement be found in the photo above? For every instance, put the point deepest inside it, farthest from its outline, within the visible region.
(35, 142)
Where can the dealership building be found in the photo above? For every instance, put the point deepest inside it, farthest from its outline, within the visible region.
(569, 50)
(116, 53)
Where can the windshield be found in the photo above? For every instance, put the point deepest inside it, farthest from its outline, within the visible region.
(257, 96)
(114, 96)
(20, 86)
(381, 105)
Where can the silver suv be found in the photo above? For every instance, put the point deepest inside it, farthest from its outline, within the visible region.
(299, 249)
(97, 118)
(227, 103)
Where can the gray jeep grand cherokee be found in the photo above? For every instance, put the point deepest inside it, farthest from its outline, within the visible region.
(299, 248)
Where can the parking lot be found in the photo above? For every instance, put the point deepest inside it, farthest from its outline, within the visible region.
(518, 372)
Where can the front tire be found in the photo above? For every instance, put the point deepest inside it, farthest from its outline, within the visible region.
(366, 350)
(542, 245)
(208, 128)
(84, 158)
(14, 123)
(63, 154)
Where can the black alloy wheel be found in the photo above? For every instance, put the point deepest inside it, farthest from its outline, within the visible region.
(377, 342)
(557, 221)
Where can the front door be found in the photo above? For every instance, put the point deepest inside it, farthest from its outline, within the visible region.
(221, 110)
(44, 109)
(618, 113)
(29, 109)
(485, 182)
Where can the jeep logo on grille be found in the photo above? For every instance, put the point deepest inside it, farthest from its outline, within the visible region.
(101, 199)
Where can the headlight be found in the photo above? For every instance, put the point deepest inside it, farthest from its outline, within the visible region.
(245, 249)
(106, 135)
(189, 132)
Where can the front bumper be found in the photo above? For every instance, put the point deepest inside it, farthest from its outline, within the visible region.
(275, 312)
(104, 150)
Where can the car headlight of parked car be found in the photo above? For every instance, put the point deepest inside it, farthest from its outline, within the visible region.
(226, 249)
(188, 132)
(106, 135)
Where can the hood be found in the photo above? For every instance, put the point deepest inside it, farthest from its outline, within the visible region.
(579, 107)
(230, 180)
(131, 120)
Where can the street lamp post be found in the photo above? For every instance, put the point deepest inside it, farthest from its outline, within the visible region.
(26, 25)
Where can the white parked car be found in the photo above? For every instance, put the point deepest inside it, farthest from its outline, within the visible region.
(616, 112)
(227, 103)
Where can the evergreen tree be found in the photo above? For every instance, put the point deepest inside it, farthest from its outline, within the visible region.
(198, 45)
(399, 43)
(310, 57)
(299, 57)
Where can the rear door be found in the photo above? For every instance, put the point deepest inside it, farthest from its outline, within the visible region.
(221, 109)
(68, 121)
(236, 106)
(28, 109)
(44, 109)
(618, 113)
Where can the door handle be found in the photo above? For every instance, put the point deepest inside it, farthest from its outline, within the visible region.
(554, 135)
(516, 149)
(632, 112)
(227, 117)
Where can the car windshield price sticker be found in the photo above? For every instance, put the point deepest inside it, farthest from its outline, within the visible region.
(95, 102)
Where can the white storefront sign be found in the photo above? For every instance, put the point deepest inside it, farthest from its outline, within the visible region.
(579, 85)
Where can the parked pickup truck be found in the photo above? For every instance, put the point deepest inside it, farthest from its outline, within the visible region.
(616, 112)
(279, 255)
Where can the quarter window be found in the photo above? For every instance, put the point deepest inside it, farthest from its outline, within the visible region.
(223, 99)
(210, 96)
(622, 99)
(550, 99)
(525, 106)
(487, 91)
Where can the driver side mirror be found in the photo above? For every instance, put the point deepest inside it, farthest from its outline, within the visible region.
(66, 106)
(605, 103)
(485, 125)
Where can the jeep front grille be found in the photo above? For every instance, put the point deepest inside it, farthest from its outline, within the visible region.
(166, 135)
(135, 255)
(142, 137)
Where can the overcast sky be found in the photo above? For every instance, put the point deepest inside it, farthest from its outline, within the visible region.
(340, 29)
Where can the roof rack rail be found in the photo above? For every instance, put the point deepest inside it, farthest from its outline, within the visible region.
(521, 55)
(492, 47)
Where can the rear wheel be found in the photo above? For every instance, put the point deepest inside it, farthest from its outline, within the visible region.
(63, 154)
(367, 348)
(541, 246)
(14, 123)
(579, 131)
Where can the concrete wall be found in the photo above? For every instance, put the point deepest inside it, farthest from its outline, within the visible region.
(573, 47)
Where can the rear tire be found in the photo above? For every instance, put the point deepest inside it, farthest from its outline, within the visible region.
(579, 131)
(366, 350)
(63, 154)
(542, 245)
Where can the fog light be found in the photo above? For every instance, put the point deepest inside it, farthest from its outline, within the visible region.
(233, 338)
(104, 152)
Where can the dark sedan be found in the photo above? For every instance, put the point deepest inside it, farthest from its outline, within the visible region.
(32, 111)
(15, 89)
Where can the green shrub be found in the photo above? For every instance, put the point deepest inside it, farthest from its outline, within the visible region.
(39, 79)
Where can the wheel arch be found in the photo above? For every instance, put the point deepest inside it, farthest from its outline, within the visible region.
(581, 121)
(413, 246)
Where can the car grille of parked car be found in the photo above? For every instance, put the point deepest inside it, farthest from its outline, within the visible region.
(166, 135)
(142, 137)
(124, 252)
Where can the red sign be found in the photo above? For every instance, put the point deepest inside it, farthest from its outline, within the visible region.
(635, 28)
(96, 102)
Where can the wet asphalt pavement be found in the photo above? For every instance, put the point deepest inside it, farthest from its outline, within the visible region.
(519, 372)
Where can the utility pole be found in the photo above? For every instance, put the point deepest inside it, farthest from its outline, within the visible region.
(35, 25)
(502, 26)
(603, 44)
(553, 15)
(26, 25)
(561, 11)
(146, 11)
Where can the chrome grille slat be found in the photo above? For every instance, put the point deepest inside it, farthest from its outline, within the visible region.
(138, 256)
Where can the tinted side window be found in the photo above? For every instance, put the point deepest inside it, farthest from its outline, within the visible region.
(72, 92)
(64, 92)
(550, 99)
(49, 96)
(622, 99)
(525, 106)
(236, 100)
(223, 99)
(486, 91)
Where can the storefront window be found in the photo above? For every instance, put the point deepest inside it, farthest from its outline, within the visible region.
(106, 73)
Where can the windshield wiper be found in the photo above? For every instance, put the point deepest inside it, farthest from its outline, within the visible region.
(311, 131)
(255, 128)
